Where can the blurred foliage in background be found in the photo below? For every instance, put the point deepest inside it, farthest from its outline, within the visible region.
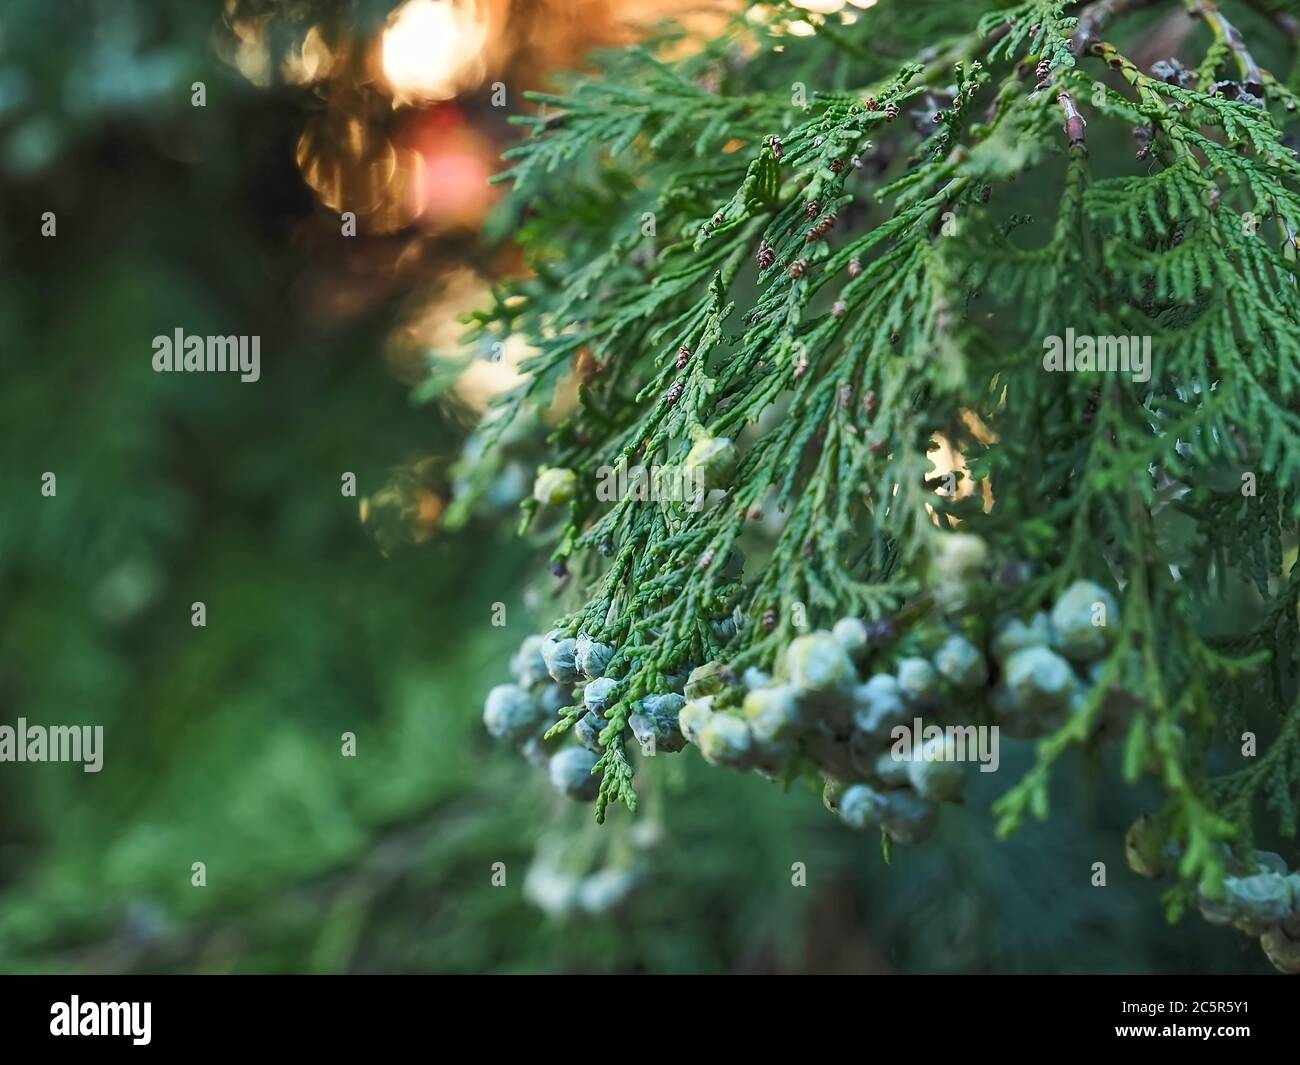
(222, 744)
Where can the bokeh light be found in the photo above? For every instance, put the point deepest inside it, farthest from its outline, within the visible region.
(433, 49)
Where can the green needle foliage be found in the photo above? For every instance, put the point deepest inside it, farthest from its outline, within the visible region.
(837, 250)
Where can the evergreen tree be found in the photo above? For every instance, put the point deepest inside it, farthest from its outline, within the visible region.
(978, 333)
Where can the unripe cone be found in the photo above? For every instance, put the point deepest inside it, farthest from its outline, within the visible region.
(1281, 950)
(511, 714)
(587, 731)
(713, 460)
(591, 657)
(860, 805)
(1258, 902)
(693, 717)
(772, 713)
(961, 663)
(1039, 679)
(570, 772)
(1085, 621)
(934, 772)
(878, 705)
(656, 725)
(918, 682)
(960, 555)
(527, 664)
(726, 740)
(560, 656)
(704, 680)
(1143, 848)
(818, 662)
(599, 695)
(851, 634)
(1015, 635)
(554, 486)
(908, 818)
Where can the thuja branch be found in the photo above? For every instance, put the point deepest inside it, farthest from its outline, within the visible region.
(1228, 35)
(803, 299)
(1096, 18)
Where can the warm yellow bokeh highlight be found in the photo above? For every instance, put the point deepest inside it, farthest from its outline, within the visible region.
(311, 62)
(766, 15)
(829, 7)
(433, 49)
(248, 49)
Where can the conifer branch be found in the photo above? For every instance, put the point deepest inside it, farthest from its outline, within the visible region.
(1095, 20)
(1227, 34)
(809, 325)
(1075, 126)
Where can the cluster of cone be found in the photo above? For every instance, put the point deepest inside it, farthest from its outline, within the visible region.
(823, 710)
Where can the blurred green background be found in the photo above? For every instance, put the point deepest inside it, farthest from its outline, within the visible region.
(222, 744)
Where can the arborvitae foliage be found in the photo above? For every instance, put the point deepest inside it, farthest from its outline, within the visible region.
(810, 268)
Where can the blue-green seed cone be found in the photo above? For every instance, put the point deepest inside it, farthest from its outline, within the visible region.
(570, 772)
(512, 715)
